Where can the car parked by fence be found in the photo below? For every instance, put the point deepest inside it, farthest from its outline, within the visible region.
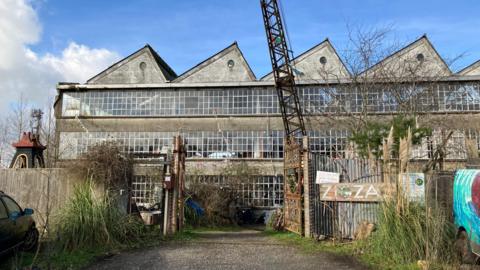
(17, 227)
(466, 213)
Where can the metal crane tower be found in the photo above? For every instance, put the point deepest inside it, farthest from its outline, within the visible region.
(292, 117)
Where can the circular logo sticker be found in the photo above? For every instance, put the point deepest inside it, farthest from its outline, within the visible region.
(419, 181)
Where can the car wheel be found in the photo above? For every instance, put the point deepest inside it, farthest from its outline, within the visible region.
(462, 244)
(31, 240)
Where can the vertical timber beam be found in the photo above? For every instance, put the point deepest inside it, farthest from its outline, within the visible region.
(307, 188)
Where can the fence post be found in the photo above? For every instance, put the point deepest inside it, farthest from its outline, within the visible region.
(307, 181)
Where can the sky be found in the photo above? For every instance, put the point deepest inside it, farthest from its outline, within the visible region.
(43, 42)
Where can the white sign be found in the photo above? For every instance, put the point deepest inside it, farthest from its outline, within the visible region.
(327, 178)
(413, 184)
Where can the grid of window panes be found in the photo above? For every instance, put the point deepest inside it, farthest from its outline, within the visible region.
(330, 143)
(146, 190)
(204, 144)
(184, 102)
(455, 148)
(263, 191)
(263, 101)
(246, 144)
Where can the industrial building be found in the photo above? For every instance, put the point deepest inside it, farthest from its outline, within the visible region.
(225, 113)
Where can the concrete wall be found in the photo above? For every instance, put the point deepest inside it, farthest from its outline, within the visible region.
(250, 123)
(43, 190)
(138, 68)
(216, 69)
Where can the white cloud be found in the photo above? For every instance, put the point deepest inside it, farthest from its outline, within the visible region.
(24, 71)
(79, 62)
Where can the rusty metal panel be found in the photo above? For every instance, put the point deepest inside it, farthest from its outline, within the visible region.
(293, 213)
(352, 214)
(293, 172)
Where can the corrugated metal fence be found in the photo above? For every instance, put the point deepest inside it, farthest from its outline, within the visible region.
(341, 219)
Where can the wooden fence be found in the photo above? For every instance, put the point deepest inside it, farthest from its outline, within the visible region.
(43, 190)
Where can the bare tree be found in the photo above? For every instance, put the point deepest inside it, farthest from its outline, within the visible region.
(380, 88)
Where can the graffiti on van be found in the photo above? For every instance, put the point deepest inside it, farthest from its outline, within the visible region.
(466, 203)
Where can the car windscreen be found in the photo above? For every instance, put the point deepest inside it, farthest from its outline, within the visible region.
(12, 206)
(3, 210)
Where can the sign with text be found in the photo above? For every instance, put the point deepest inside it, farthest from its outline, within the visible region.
(327, 178)
(348, 192)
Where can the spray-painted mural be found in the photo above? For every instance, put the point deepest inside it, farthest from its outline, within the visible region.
(466, 204)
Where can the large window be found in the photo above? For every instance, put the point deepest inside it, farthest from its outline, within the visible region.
(183, 102)
(263, 101)
(246, 144)
(264, 191)
(204, 144)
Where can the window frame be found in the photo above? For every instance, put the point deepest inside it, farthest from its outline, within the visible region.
(5, 207)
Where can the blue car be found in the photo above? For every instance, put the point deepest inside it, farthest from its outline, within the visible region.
(466, 212)
(17, 227)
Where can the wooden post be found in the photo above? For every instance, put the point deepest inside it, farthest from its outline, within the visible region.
(307, 182)
(165, 215)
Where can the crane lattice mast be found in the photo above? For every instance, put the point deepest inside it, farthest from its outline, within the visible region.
(287, 91)
(280, 56)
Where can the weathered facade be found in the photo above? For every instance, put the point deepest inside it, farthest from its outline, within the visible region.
(225, 113)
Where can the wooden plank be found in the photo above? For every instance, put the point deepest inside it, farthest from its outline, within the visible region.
(349, 192)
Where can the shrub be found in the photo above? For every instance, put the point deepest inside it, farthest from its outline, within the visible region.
(275, 221)
(220, 200)
(218, 203)
(89, 221)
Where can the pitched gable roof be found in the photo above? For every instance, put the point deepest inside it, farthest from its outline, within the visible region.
(407, 60)
(309, 67)
(471, 70)
(142, 66)
(216, 68)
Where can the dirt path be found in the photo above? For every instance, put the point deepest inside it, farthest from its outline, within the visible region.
(227, 250)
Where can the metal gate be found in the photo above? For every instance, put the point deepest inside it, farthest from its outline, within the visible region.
(293, 185)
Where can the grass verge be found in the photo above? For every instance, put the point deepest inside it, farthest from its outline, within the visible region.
(357, 249)
(82, 257)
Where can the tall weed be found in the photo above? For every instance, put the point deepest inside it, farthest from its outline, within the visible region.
(413, 232)
(89, 221)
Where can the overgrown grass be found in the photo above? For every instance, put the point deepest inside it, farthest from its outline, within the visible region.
(88, 221)
(404, 236)
(309, 245)
(408, 233)
(345, 248)
(53, 260)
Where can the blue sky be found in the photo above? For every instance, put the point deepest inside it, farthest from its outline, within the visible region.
(186, 32)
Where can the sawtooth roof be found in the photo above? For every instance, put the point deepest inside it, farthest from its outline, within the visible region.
(215, 68)
(164, 72)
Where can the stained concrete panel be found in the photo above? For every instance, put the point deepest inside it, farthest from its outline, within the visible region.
(139, 68)
(419, 59)
(308, 65)
(228, 65)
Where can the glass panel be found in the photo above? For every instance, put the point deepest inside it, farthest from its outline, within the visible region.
(3, 211)
(11, 205)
